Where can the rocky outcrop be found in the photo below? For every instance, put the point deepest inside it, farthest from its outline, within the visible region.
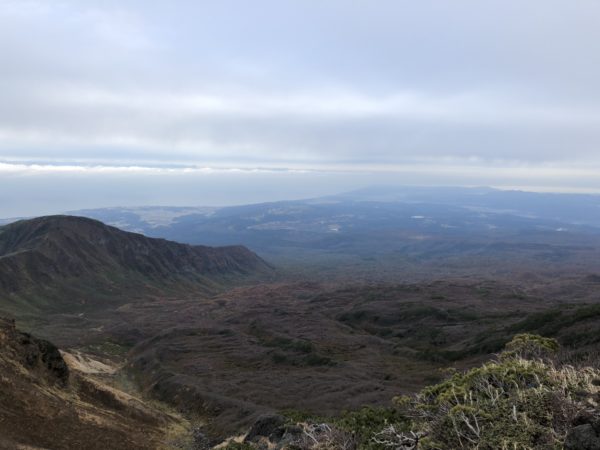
(270, 426)
(585, 435)
(36, 355)
(46, 404)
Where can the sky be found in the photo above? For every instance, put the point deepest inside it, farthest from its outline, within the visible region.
(126, 102)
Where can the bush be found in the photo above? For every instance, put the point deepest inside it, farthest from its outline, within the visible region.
(239, 446)
(531, 346)
(520, 401)
(367, 421)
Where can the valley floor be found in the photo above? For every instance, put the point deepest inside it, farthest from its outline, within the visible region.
(321, 348)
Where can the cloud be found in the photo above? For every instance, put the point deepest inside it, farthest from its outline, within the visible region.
(472, 170)
(498, 92)
(32, 168)
(328, 126)
(33, 189)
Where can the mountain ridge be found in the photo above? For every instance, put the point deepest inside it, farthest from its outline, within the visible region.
(40, 253)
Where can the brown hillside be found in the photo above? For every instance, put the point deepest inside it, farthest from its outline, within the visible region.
(46, 404)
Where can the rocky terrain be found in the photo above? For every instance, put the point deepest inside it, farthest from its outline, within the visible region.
(47, 403)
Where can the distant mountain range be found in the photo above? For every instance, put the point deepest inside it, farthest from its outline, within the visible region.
(575, 209)
(483, 207)
(379, 230)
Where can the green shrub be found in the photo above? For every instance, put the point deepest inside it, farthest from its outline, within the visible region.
(367, 421)
(239, 446)
(530, 346)
(296, 416)
(521, 401)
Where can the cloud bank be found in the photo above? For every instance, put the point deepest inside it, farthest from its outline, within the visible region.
(497, 93)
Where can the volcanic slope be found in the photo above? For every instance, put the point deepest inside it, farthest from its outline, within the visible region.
(74, 265)
(46, 403)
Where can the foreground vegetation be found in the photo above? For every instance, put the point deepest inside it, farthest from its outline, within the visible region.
(524, 399)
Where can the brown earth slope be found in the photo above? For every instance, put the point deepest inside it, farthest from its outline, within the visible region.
(46, 404)
(323, 349)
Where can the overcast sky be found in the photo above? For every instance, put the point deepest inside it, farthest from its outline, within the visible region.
(220, 102)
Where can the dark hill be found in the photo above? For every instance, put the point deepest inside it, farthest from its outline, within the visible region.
(60, 253)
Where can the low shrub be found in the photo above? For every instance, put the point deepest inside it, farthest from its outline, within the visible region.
(520, 401)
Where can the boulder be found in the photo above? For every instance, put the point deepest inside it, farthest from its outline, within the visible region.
(270, 426)
(584, 437)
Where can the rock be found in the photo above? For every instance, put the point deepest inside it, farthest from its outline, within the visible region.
(43, 354)
(584, 437)
(199, 440)
(53, 360)
(270, 426)
(292, 435)
(583, 417)
(35, 354)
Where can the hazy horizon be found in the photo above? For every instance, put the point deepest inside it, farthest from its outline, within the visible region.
(200, 103)
(257, 197)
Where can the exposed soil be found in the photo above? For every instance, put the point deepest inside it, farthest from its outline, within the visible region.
(46, 404)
